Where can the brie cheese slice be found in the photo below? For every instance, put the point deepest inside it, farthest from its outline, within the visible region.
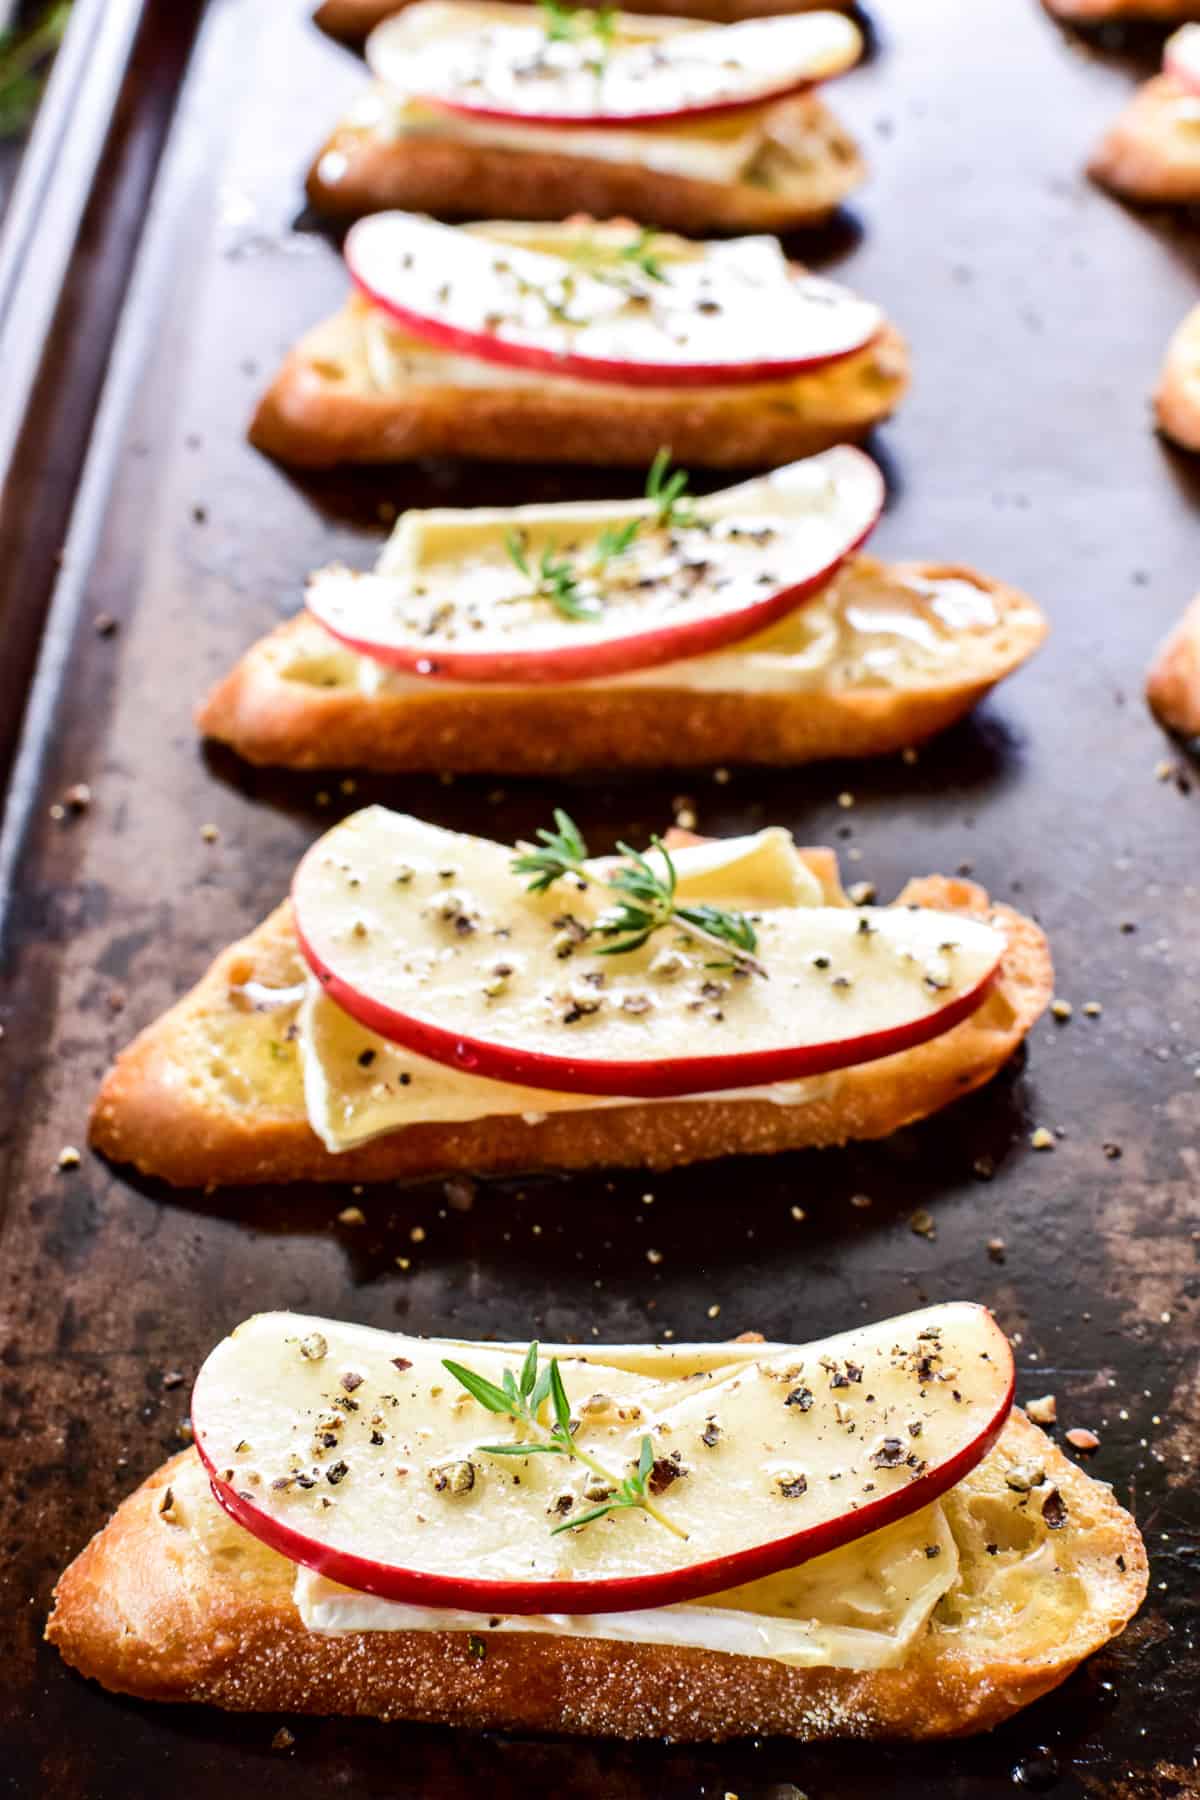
(861, 1607)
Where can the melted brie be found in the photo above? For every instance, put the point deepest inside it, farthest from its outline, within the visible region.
(861, 1607)
(359, 1086)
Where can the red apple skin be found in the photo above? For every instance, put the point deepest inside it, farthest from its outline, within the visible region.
(416, 1587)
(707, 109)
(643, 1080)
(616, 656)
(485, 346)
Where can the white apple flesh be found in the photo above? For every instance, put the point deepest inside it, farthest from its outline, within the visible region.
(428, 938)
(461, 610)
(1181, 57)
(591, 314)
(509, 70)
(356, 1454)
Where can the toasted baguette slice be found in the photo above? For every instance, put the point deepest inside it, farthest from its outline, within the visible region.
(1177, 396)
(296, 699)
(1173, 682)
(360, 171)
(211, 1093)
(172, 1601)
(324, 408)
(353, 20)
(1150, 155)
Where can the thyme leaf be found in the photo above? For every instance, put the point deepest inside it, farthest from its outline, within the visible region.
(581, 25)
(522, 1397)
(644, 898)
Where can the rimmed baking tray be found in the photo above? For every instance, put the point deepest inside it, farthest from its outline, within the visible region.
(1037, 310)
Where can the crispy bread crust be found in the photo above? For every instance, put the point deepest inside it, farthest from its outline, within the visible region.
(1143, 157)
(455, 180)
(269, 719)
(313, 417)
(1177, 396)
(1173, 682)
(353, 20)
(151, 1112)
(144, 1611)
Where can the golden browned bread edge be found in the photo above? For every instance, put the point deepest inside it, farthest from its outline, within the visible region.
(1173, 681)
(1177, 395)
(145, 1614)
(353, 20)
(145, 1114)
(312, 422)
(455, 180)
(1138, 156)
(544, 730)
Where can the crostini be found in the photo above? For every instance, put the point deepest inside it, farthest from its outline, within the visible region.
(740, 627)
(482, 110)
(354, 20)
(1173, 681)
(1151, 154)
(554, 1010)
(854, 1537)
(579, 342)
(1177, 395)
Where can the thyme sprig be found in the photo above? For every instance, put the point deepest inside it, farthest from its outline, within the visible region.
(645, 898)
(553, 578)
(668, 488)
(522, 1397)
(581, 25)
(620, 264)
(556, 579)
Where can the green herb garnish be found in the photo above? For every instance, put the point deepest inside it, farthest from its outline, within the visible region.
(645, 899)
(553, 578)
(617, 263)
(676, 507)
(522, 1397)
(579, 25)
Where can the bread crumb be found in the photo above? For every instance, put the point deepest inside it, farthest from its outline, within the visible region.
(1043, 1411)
(352, 1215)
(209, 833)
(283, 1739)
(1061, 1010)
(799, 1214)
(1081, 1439)
(654, 1256)
(997, 1249)
(923, 1223)
(1042, 1139)
(1092, 1009)
(845, 801)
(68, 1157)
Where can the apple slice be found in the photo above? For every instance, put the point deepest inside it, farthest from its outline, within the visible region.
(513, 70)
(428, 938)
(355, 1453)
(596, 314)
(460, 608)
(1181, 57)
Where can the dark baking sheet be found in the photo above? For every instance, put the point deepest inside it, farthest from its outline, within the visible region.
(1038, 310)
